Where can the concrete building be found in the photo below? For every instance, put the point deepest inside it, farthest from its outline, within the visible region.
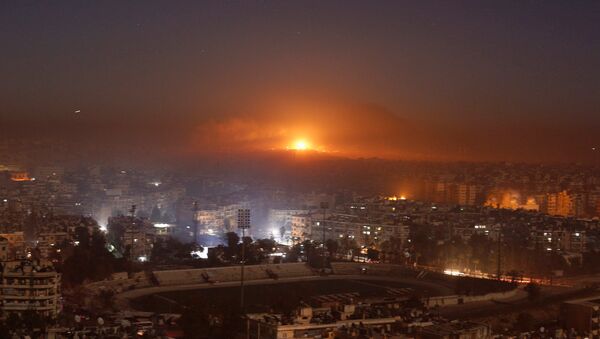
(139, 242)
(564, 240)
(457, 330)
(48, 240)
(467, 194)
(366, 232)
(302, 225)
(30, 286)
(283, 217)
(15, 244)
(215, 220)
(560, 203)
(3, 249)
(345, 321)
(582, 315)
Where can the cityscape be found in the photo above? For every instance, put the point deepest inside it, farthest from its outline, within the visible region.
(301, 169)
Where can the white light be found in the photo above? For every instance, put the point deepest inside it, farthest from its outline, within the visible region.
(200, 254)
(162, 225)
(142, 258)
(453, 272)
(103, 228)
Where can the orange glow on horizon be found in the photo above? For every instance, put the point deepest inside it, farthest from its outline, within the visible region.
(300, 145)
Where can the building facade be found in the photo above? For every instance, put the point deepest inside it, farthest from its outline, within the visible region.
(30, 286)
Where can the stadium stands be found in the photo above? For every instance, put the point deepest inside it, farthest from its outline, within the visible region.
(231, 273)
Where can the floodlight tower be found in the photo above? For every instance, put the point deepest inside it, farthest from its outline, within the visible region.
(195, 221)
(243, 220)
(324, 206)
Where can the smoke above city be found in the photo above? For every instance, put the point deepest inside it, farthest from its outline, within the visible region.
(336, 129)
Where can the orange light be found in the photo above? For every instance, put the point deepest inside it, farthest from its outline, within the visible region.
(301, 145)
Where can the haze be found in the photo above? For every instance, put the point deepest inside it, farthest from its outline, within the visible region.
(425, 80)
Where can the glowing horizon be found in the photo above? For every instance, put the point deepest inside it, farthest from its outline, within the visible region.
(301, 145)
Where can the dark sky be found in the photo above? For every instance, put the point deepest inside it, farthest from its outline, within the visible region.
(480, 80)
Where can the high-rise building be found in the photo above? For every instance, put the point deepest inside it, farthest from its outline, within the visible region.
(30, 286)
(560, 203)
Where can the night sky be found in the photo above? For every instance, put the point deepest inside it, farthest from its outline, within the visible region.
(441, 80)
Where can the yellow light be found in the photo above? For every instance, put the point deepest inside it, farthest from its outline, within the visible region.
(301, 145)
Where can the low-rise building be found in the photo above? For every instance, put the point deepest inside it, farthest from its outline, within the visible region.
(457, 330)
(582, 315)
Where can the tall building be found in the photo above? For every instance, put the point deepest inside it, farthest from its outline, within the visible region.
(560, 203)
(301, 227)
(467, 194)
(30, 286)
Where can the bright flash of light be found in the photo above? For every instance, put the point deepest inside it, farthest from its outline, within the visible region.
(301, 145)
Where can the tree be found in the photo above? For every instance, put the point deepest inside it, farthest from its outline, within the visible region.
(348, 245)
(88, 260)
(332, 247)
(171, 250)
(232, 240)
(372, 254)
(82, 235)
(391, 249)
(263, 248)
